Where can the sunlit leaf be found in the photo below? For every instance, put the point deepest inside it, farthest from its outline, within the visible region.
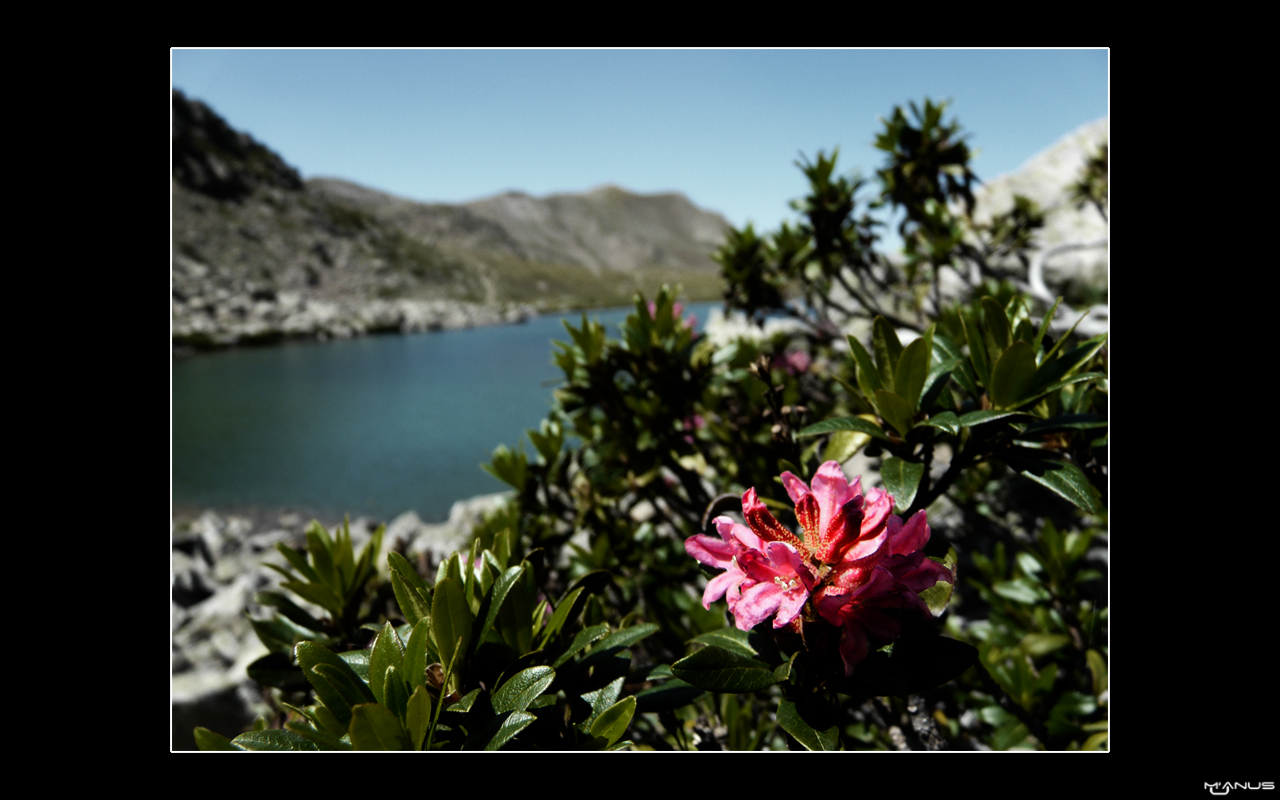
(374, 727)
(844, 424)
(901, 479)
(273, 740)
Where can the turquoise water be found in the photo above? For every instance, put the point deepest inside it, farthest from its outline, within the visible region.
(371, 426)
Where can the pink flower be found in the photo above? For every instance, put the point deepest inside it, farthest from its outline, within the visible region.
(856, 560)
(762, 578)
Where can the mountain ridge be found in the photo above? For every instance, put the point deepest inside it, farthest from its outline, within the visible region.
(260, 255)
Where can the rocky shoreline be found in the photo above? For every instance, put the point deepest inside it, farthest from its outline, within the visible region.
(216, 569)
(224, 318)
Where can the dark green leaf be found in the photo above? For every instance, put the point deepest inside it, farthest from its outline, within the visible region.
(327, 719)
(324, 739)
(858, 400)
(782, 672)
(1012, 376)
(320, 548)
(896, 410)
(290, 610)
(794, 723)
(451, 620)
(310, 657)
(561, 615)
(515, 615)
(614, 721)
(515, 722)
(1064, 338)
(208, 740)
(273, 740)
(278, 634)
(417, 654)
(413, 604)
(671, 695)
(626, 637)
(980, 417)
(718, 670)
(977, 351)
(277, 669)
(396, 691)
(499, 594)
(1056, 370)
(1044, 325)
(418, 716)
(936, 383)
(316, 593)
(946, 421)
(844, 424)
(901, 479)
(731, 639)
(962, 371)
(888, 349)
(358, 660)
(1067, 422)
(1035, 394)
(522, 689)
(1068, 481)
(995, 325)
(600, 700)
(913, 368)
(298, 560)
(387, 651)
(585, 637)
(374, 727)
(868, 377)
(352, 692)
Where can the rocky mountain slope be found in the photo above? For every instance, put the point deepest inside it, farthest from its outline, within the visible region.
(1046, 178)
(260, 255)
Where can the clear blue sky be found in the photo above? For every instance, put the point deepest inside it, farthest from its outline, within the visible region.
(722, 126)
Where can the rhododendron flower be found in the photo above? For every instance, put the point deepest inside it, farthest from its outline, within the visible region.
(855, 560)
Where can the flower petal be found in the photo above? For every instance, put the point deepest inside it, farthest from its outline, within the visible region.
(876, 505)
(795, 487)
(912, 536)
(756, 605)
(842, 532)
(807, 514)
(918, 572)
(733, 532)
(762, 522)
(717, 586)
(709, 551)
(789, 607)
(866, 548)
